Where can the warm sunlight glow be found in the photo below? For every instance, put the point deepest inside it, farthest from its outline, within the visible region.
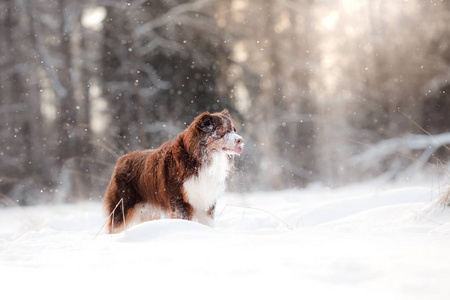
(92, 18)
(329, 22)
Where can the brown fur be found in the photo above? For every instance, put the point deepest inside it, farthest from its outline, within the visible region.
(156, 176)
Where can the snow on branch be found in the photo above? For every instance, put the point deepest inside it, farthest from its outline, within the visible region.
(160, 42)
(171, 16)
(422, 142)
(155, 79)
(401, 147)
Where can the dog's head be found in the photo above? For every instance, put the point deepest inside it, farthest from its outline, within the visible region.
(218, 132)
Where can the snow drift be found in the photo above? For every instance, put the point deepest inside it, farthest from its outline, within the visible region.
(361, 241)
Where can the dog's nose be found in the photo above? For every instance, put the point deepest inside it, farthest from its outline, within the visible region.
(238, 139)
(235, 138)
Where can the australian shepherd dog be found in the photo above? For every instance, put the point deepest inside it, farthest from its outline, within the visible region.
(182, 179)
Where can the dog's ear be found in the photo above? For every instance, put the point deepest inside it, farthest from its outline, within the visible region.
(226, 113)
(205, 122)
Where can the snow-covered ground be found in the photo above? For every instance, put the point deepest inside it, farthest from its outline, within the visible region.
(358, 242)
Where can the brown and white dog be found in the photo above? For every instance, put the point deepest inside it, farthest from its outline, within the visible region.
(182, 179)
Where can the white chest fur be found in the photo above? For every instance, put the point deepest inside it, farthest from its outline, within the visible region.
(204, 189)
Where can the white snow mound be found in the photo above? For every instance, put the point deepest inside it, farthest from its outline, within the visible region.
(165, 229)
(358, 242)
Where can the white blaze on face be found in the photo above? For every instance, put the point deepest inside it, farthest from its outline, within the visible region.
(233, 143)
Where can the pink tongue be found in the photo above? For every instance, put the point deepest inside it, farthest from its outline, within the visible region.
(238, 150)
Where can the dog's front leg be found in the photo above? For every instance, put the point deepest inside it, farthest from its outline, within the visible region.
(207, 217)
(181, 209)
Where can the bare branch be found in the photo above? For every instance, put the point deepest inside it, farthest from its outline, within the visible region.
(171, 16)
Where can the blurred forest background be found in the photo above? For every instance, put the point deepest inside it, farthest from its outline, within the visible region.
(322, 90)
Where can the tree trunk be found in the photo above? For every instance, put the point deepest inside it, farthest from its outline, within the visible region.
(67, 115)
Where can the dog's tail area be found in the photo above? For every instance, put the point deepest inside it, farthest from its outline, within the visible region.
(122, 193)
(116, 221)
(119, 201)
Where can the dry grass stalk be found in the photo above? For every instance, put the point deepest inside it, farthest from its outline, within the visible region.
(444, 198)
(112, 214)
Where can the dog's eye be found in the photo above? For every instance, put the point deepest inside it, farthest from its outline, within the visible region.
(227, 131)
(219, 133)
